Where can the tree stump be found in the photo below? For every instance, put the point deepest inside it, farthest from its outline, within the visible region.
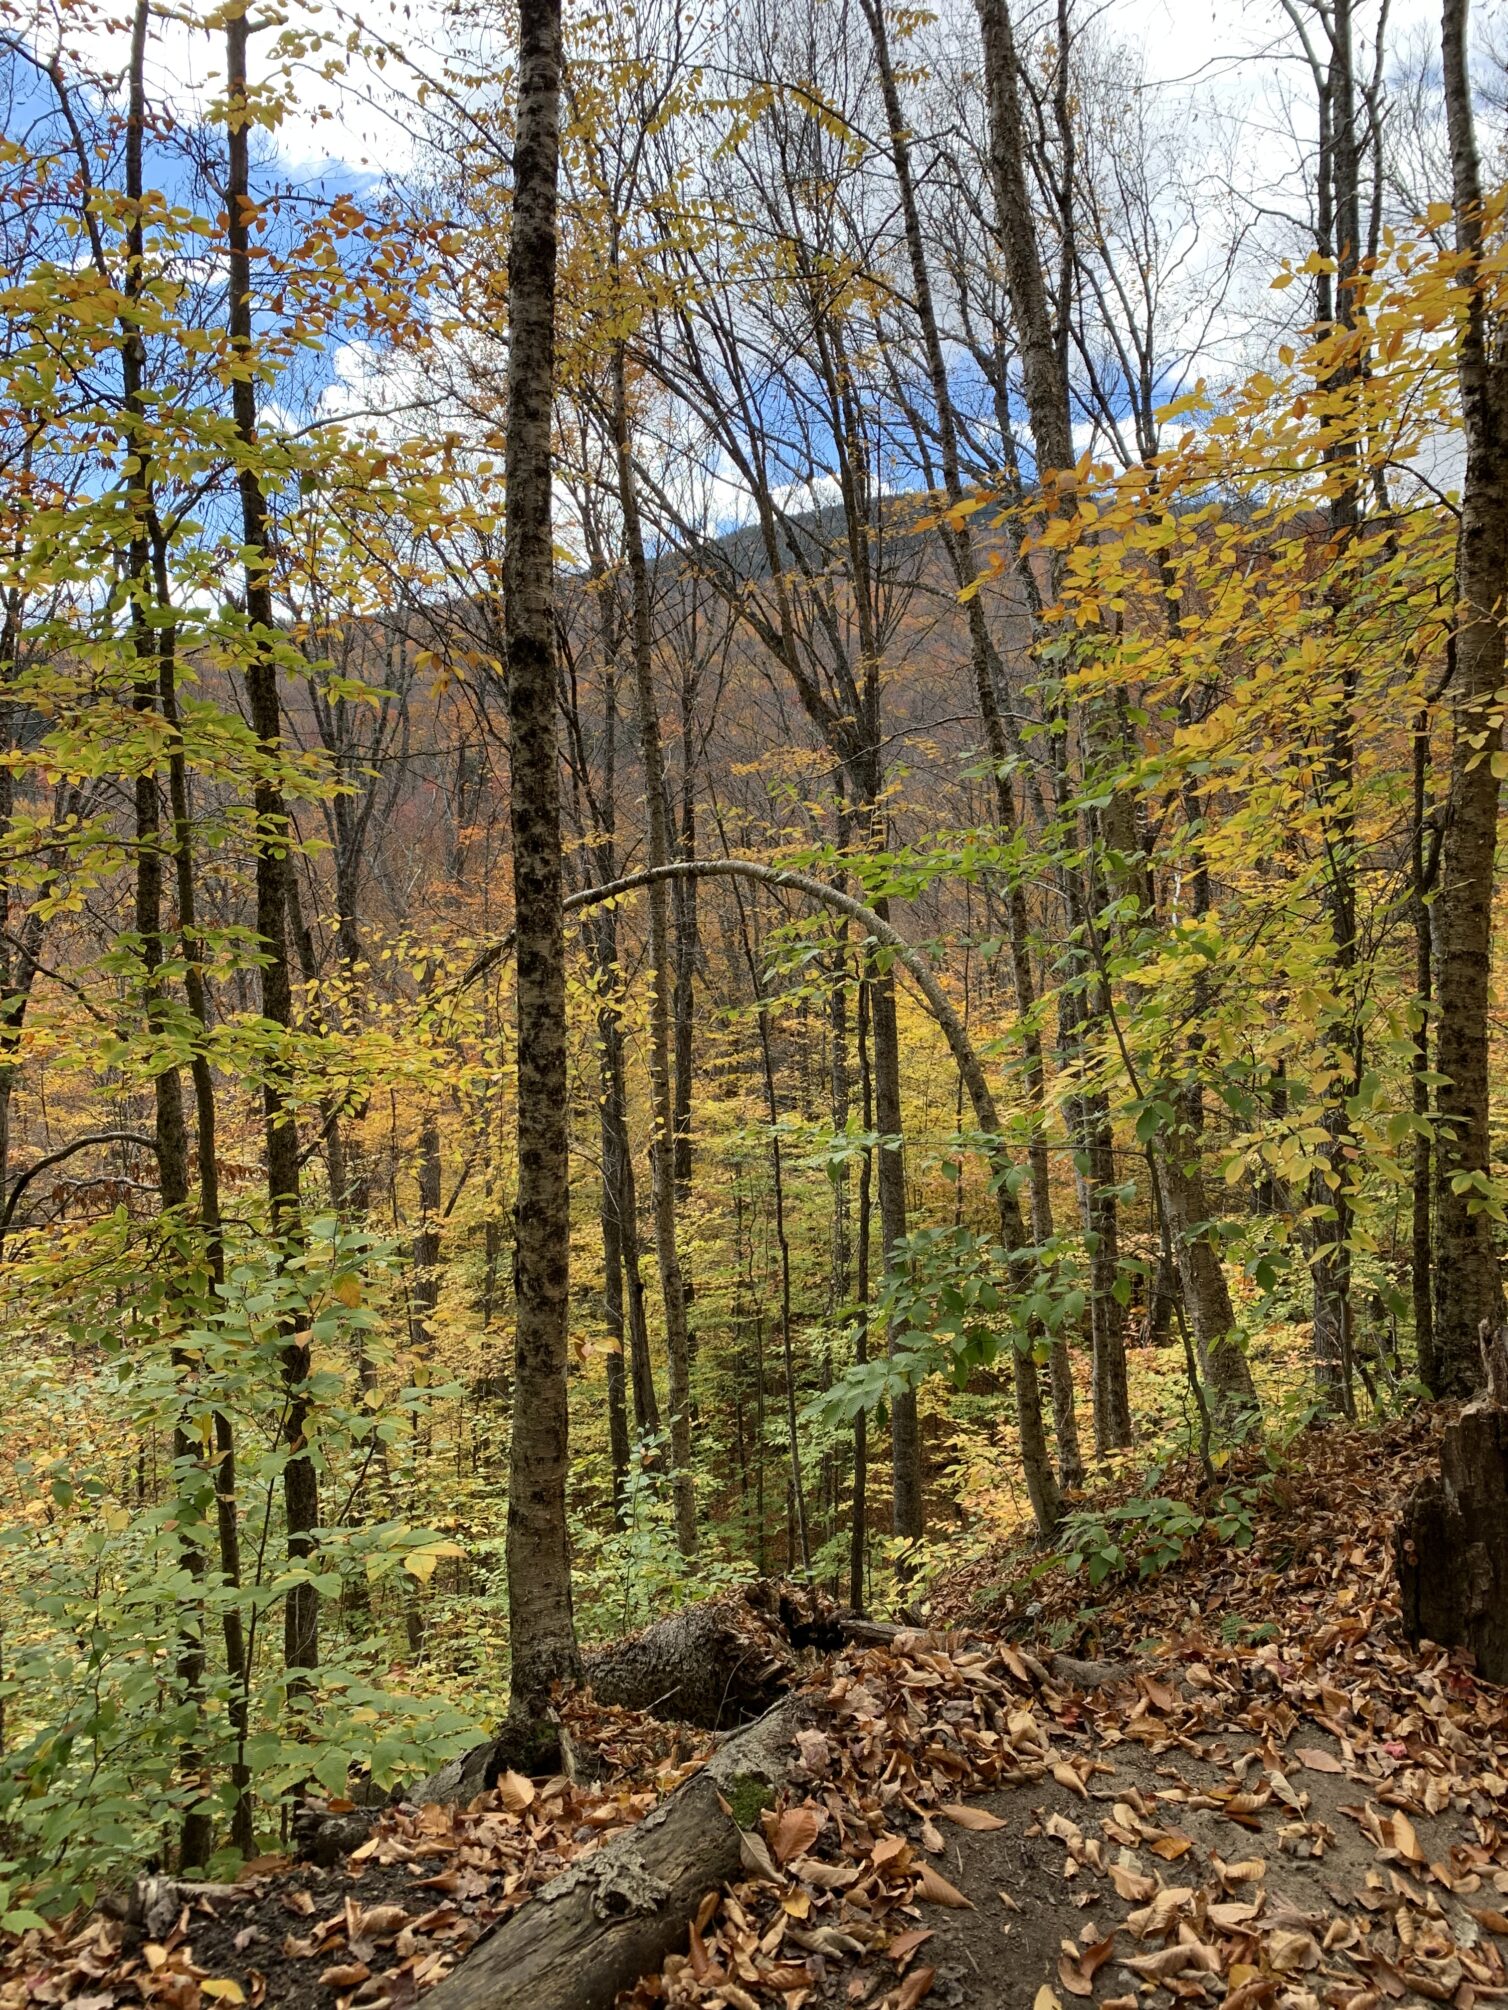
(1451, 1544)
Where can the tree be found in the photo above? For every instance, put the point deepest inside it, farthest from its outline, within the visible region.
(542, 1631)
(1469, 1285)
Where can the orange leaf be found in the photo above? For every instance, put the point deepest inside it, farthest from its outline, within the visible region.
(794, 1833)
(916, 1985)
(934, 1887)
(907, 1943)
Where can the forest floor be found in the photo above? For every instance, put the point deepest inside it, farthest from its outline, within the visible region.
(1275, 1800)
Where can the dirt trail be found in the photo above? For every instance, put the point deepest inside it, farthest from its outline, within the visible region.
(1298, 1900)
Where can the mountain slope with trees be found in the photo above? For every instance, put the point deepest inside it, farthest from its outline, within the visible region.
(748, 833)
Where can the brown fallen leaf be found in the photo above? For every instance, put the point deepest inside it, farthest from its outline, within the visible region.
(967, 1817)
(1164, 1909)
(1233, 1914)
(1166, 1961)
(755, 1857)
(1495, 1922)
(1317, 1760)
(345, 1976)
(1065, 1776)
(1248, 1871)
(1290, 1953)
(906, 1944)
(917, 1985)
(816, 1753)
(1046, 1999)
(1078, 1966)
(1073, 1978)
(793, 1832)
(1171, 1846)
(1133, 1884)
(383, 1922)
(935, 1888)
(1405, 1841)
(515, 1792)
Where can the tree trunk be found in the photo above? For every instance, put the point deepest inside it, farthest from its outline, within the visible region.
(1421, 1244)
(541, 1622)
(959, 547)
(1044, 372)
(425, 1293)
(1469, 1285)
(1206, 1295)
(1451, 1543)
(280, 1130)
(662, 1143)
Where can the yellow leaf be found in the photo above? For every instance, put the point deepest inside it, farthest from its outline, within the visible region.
(1404, 1839)
(222, 1987)
(348, 1289)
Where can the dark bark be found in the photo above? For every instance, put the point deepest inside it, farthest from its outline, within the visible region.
(1468, 1279)
(541, 1622)
(1042, 349)
(280, 1132)
(783, 1242)
(1421, 1240)
(424, 1293)
(1451, 1543)
(859, 1527)
(720, 1662)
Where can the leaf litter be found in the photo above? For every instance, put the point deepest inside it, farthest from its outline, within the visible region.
(1176, 1833)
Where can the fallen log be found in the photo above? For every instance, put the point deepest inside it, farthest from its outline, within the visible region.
(720, 1662)
(716, 1664)
(618, 1913)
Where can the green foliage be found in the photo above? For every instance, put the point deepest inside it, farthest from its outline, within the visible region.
(110, 1556)
(628, 1575)
(1153, 1532)
(949, 1306)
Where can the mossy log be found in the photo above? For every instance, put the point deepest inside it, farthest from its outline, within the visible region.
(618, 1913)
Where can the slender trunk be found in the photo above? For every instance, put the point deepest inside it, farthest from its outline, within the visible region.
(541, 1621)
(1421, 1240)
(783, 1241)
(859, 1528)
(687, 949)
(300, 1481)
(1043, 357)
(425, 1292)
(1469, 1279)
(959, 547)
(153, 653)
(662, 1145)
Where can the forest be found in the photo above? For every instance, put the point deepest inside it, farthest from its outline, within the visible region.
(753, 1147)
